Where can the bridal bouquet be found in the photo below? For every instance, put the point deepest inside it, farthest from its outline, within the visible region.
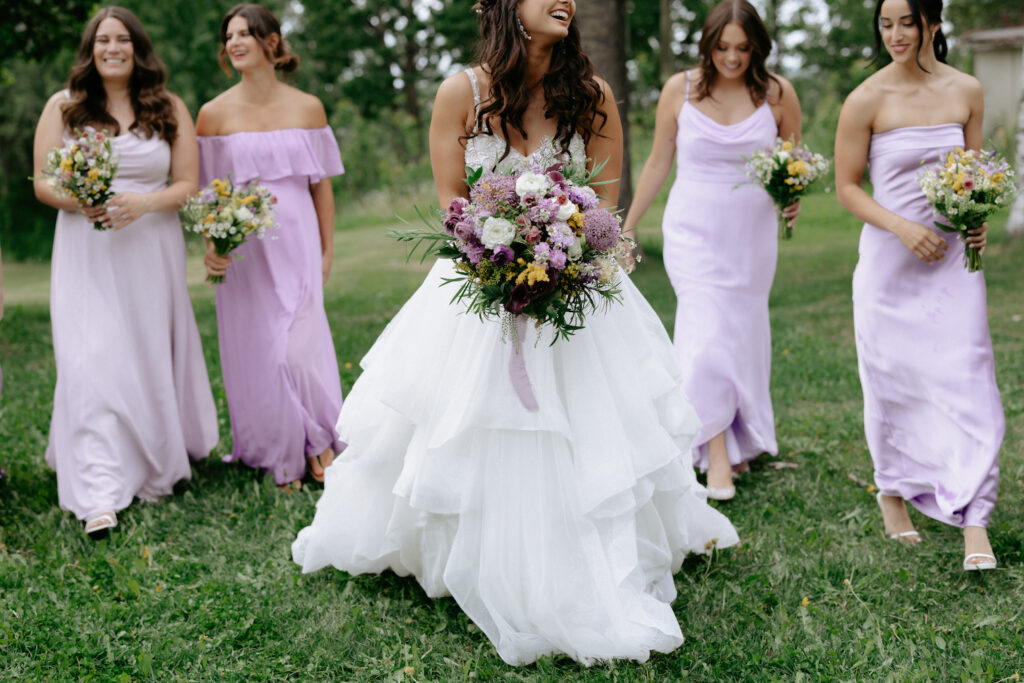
(227, 214)
(785, 171)
(965, 187)
(83, 169)
(533, 243)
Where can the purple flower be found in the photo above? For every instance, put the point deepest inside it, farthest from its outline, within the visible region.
(542, 251)
(543, 211)
(583, 197)
(464, 230)
(557, 259)
(561, 235)
(456, 212)
(493, 191)
(601, 228)
(523, 295)
(474, 252)
(501, 255)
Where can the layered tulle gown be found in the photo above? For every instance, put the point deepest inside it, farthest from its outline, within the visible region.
(556, 530)
(133, 400)
(276, 351)
(932, 412)
(720, 249)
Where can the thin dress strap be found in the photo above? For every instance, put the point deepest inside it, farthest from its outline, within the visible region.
(686, 74)
(476, 97)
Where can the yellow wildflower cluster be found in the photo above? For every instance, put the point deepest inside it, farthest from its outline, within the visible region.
(532, 274)
(576, 223)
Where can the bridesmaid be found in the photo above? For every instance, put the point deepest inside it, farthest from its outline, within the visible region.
(133, 399)
(280, 369)
(932, 413)
(720, 240)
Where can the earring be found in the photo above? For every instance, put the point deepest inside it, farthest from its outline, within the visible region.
(522, 29)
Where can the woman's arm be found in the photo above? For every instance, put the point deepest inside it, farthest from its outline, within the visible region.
(606, 148)
(125, 207)
(789, 116)
(323, 202)
(447, 127)
(853, 138)
(663, 150)
(49, 136)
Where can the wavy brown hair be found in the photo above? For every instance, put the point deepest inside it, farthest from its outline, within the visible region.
(572, 95)
(757, 76)
(262, 25)
(151, 103)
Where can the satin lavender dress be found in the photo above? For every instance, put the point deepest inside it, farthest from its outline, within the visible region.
(276, 352)
(932, 412)
(133, 399)
(720, 250)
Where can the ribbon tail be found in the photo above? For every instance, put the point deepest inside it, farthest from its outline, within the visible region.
(517, 369)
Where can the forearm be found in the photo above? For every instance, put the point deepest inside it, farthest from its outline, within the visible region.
(323, 202)
(46, 195)
(651, 180)
(864, 207)
(170, 199)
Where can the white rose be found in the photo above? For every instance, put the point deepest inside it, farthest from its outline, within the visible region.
(497, 231)
(576, 250)
(565, 211)
(784, 155)
(243, 214)
(532, 184)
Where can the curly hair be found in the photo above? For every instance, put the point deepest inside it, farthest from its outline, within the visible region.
(572, 95)
(743, 13)
(931, 10)
(151, 103)
(262, 24)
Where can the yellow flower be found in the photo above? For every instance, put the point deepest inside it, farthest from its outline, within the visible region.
(93, 174)
(576, 222)
(798, 167)
(787, 145)
(805, 602)
(532, 274)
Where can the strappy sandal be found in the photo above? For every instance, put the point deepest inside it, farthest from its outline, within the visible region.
(978, 566)
(98, 526)
(912, 537)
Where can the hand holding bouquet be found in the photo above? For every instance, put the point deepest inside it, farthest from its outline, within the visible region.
(226, 214)
(785, 171)
(83, 169)
(965, 187)
(533, 243)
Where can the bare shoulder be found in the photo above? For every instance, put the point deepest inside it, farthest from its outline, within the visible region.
(865, 97)
(675, 85)
(213, 114)
(309, 110)
(455, 92)
(779, 89)
(966, 83)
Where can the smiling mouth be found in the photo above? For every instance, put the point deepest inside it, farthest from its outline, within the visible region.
(561, 15)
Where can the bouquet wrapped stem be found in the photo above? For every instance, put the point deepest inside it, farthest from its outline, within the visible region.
(785, 171)
(227, 214)
(83, 169)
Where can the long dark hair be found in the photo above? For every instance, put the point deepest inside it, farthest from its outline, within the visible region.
(932, 12)
(743, 13)
(572, 94)
(151, 103)
(262, 24)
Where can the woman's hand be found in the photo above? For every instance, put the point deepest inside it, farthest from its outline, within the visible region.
(216, 265)
(926, 244)
(95, 214)
(791, 212)
(327, 262)
(978, 238)
(124, 208)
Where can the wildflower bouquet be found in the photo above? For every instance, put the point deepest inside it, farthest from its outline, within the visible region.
(83, 169)
(964, 187)
(785, 171)
(227, 214)
(533, 243)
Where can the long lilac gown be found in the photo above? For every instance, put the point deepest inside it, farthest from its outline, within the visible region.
(932, 412)
(720, 249)
(276, 352)
(133, 399)
(555, 530)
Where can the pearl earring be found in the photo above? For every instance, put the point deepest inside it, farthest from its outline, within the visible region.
(522, 29)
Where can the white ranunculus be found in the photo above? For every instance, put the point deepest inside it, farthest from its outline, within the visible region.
(532, 184)
(784, 155)
(565, 211)
(576, 250)
(243, 214)
(497, 231)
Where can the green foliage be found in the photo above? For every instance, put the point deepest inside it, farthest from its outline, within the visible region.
(37, 28)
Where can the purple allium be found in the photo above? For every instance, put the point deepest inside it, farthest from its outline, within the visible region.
(557, 259)
(494, 190)
(502, 255)
(561, 235)
(601, 228)
(583, 197)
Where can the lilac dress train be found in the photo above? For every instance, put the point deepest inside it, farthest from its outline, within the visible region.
(276, 352)
(720, 249)
(932, 412)
(133, 398)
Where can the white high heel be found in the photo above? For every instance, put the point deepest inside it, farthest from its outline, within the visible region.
(97, 526)
(902, 536)
(978, 566)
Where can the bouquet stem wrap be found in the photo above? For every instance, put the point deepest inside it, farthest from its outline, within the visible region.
(517, 368)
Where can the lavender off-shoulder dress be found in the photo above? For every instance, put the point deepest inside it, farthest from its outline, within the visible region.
(720, 253)
(277, 355)
(932, 412)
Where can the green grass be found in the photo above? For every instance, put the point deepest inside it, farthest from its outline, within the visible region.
(202, 586)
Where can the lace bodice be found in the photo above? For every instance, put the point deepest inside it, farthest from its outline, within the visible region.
(484, 151)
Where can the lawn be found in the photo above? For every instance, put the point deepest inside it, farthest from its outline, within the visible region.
(202, 586)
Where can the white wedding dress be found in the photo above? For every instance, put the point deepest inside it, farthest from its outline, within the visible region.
(556, 530)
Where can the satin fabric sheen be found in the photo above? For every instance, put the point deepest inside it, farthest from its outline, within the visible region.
(932, 411)
(720, 250)
(133, 399)
(276, 351)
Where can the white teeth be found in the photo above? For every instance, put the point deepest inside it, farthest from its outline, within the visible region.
(560, 15)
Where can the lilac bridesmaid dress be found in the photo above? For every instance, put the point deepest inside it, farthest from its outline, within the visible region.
(932, 413)
(276, 352)
(133, 399)
(720, 249)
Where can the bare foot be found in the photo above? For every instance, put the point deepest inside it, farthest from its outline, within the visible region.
(976, 543)
(318, 463)
(719, 469)
(896, 520)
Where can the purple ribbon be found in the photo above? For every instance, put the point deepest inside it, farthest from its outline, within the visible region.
(517, 368)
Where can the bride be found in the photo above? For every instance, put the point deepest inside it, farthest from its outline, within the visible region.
(557, 529)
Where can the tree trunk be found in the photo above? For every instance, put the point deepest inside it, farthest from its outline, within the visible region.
(1015, 225)
(666, 58)
(776, 33)
(603, 28)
